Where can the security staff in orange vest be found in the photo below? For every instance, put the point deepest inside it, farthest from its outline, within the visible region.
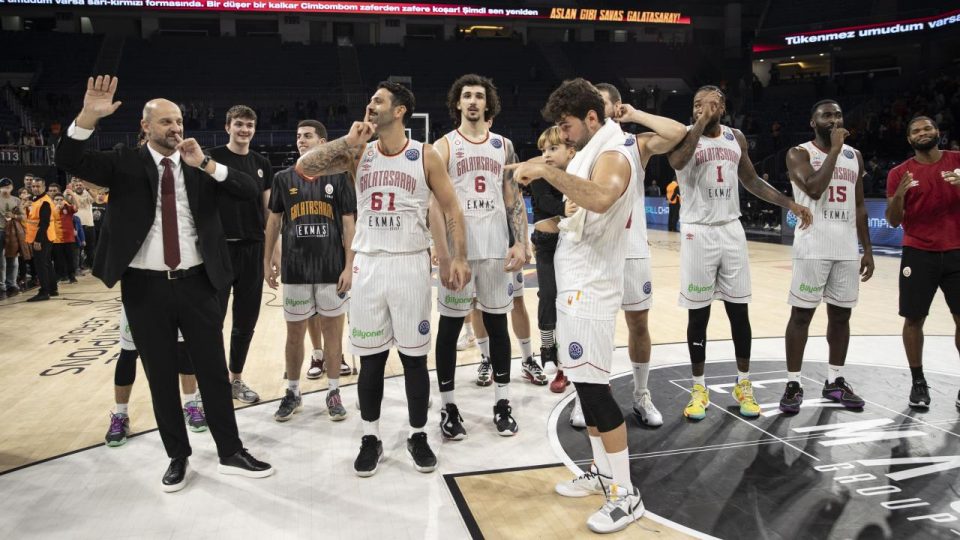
(673, 199)
(41, 234)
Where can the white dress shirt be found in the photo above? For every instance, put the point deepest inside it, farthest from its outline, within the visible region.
(150, 255)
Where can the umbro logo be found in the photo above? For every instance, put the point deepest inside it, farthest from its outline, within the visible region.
(294, 191)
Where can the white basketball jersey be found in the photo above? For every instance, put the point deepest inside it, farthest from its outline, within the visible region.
(476, 170)
(709, 183)
(590, 272)
(637, 247)
(833, 233)
(392, 201)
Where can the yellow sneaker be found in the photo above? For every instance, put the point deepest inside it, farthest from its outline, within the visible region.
(699, 403)
(743, 393)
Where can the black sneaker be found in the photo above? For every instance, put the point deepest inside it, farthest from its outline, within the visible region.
(920, 394)
(243, 464)
(451, 423)
(841, 392)
(548, 355)
(40, 297)
(424, 460)
(175, 478)
(792, 398)
(506, 425)
(289, 405)
(371, 450)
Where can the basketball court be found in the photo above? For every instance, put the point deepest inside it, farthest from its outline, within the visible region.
(887, 471)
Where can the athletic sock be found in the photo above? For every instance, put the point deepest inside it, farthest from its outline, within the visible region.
(917, 373)
(700, 379)
(600, 456)
(446, 398)
(122, 408)
(333, 384)
(832, 373)
(371, 428)
(525, 348)
(318, 354)
(793, 376)
(484, 344)
(641, 373)
(501, 391)
(620, 467)
(548, 338)
(294, 386)
(743, 375)
(413, 431)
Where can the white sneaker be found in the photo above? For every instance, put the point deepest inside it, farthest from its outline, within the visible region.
(576, 415)
(316, 367)
(647, 411)
(621, 509)
(588, 483)
(466, 341)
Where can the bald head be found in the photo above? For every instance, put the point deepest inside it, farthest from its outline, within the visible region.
(162, 125)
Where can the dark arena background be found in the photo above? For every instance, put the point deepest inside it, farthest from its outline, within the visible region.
(887, 471)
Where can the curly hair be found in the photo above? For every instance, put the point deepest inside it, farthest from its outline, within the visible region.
(400, 95)
(576, 97)
(472, 79)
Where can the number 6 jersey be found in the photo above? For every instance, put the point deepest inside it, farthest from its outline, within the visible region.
(833, 234)
(708, 183)
(476, 170)
(392, 201)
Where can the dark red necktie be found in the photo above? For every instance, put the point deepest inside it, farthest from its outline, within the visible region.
(168, 214)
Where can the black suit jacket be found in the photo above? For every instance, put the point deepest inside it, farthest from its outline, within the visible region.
(133, 180)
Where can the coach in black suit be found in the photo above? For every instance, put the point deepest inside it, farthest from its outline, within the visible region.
(164, 242)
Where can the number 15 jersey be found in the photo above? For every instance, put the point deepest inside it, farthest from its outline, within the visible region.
(392, 201)
(833, 234)
(709, 183)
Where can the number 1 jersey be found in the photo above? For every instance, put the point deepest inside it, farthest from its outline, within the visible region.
(709, 182)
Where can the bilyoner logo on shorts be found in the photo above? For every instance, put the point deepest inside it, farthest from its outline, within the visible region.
(454, 300)
(366, 334)
(810, 288)
(694, 288)
(292, 302)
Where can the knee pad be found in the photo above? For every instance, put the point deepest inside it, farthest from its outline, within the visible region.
(598, 400)
(125, 372)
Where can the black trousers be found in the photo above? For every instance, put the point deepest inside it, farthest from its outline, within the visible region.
(247, 261)
(156, 307)
(63, 260)
(545, 245)
(674, 217)
(90, 236)
(43, 264)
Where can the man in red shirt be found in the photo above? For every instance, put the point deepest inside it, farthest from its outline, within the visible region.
(923, 193)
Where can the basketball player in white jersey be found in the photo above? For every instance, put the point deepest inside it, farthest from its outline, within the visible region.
(589, 271)
(827, 177)
(710, 163)
(637, 274)
(494, 213)
(390, 299)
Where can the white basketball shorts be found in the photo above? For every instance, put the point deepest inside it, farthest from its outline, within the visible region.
(302, 301)
(714, 264)
(637, 285)
(489, 285)
(833, 282)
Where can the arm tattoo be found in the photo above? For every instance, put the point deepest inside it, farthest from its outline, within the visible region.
(516, 210)
(681, 155)
(330, 158)
(457, 241)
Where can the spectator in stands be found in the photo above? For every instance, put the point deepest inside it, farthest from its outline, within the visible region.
(81, 198)
(63, 244)
(27, 273)
(653, 190)
(673, 200)
(10, 210)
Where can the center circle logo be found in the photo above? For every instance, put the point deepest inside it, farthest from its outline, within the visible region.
(496, 143)
(647, 287)
(413, 154)
(848, 154)
(424, 328)
(509, 289)
(575, 350)
(840, 472)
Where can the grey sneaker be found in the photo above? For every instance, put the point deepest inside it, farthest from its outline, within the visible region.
(194, 417)
(289, 405)
(335, 406)
(243, 393)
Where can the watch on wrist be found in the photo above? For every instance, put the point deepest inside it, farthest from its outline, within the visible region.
(205, 162)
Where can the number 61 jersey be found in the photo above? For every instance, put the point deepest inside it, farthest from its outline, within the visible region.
(709, 183)
(392, 201)
(476, 170)
(833, 234)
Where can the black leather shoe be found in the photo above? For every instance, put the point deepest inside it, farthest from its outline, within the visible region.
(175, 478)
(38, 298)
(244, 464)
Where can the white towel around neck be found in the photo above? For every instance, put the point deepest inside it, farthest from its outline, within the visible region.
(610, 136)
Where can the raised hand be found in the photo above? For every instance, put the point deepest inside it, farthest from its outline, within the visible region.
(837, 136)
(952, 177)
(361, 132)
(98, 100)
(624, 113)
(526, 172)
(906, 183)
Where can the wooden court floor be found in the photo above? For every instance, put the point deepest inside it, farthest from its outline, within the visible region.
(56, 364)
